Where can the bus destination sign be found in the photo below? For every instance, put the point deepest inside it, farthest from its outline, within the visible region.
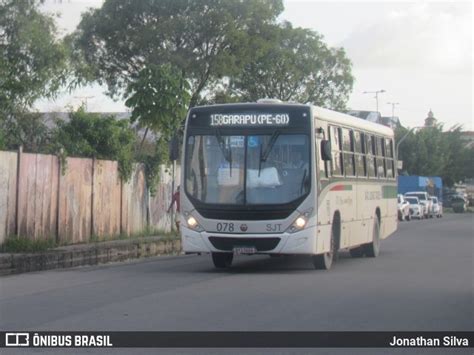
(250, 119)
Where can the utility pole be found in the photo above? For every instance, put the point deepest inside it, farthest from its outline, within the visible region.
(377, 92)
(393, 108)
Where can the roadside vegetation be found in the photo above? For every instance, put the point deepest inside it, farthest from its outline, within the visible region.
(14, 244)
(433, 151)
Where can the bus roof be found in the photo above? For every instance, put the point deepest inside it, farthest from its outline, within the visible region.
(348, 120)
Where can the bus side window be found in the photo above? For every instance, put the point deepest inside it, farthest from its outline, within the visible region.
(370, 150)
(360, 159)
(337, 168)
(389, 161)
(380, 157)
(348, 146)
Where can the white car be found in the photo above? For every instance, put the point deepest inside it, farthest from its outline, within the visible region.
(424, 199)
(437, 207)
(416, 208)
(403, 208)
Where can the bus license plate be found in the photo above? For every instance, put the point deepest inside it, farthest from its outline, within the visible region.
(244, 250)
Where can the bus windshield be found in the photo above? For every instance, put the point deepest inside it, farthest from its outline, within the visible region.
(247, 169)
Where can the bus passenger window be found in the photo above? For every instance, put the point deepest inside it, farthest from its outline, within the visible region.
(380, 157)
(370, 144)
(347, 144)
(389, 162)
(337, 159)
(360, 159)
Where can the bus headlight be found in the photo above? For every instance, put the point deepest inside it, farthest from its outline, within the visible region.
(193, 224)
(300, 222)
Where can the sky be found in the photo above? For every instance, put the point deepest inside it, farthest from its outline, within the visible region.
(419, 52)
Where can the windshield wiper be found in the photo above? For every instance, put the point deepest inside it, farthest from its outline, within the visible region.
(226, 151)
(268, 149)
(303, 181)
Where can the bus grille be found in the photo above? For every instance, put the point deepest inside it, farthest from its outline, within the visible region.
(227, 244)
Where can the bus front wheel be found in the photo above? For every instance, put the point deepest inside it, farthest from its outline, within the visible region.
(372, 249)
(222, 260)
(325, 261)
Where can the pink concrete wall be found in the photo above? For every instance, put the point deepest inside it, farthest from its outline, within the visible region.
(75, 201)
(106, 205)
(134, 202)
(8, 178)
(89, 199)
(37, 196)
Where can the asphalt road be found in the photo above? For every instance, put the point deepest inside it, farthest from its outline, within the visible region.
(422, 280)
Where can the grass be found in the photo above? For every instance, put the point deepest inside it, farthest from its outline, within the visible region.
(24, 245)
(14, 244)
(148, 232)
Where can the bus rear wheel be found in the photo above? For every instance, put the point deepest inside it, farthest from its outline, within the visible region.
(222, 260)
(373, 249)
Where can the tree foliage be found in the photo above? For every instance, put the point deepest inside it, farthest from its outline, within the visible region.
(159, 98)
(32, 60)
(298, 66)
(26, 129)
(91, 135)
(204, 40)
(434, 152)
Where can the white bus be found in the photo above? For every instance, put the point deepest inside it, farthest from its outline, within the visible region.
(280, 178)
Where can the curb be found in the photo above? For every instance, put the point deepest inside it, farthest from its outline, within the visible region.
(88, 254)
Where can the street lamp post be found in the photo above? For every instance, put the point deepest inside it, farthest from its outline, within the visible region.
(403, 138)
(377, 92)
(393, 107)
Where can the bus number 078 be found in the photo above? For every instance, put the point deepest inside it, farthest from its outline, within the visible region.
(225, 227)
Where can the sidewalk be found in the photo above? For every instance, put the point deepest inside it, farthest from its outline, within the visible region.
(88, 254)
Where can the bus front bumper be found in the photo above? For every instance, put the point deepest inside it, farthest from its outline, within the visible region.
(302, 242)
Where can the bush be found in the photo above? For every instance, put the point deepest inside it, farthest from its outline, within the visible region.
(92, 135)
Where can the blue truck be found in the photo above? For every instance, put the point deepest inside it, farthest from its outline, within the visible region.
(431, 184)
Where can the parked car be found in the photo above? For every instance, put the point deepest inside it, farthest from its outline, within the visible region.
(403, 208)
(424, 200)
(437, 207)
(458, 203)
(416, 208)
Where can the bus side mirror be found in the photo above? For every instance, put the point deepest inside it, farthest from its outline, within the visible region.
(326, 150)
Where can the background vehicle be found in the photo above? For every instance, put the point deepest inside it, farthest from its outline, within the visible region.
(277, 178)
(433, 185)
(424, 200)
(417, 210)
(403, 208)
(458, 203)
(437, 207)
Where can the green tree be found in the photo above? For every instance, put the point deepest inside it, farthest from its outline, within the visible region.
(91, 135)
(159, 98)
(434, 152)
(32, 59)
(296, 65)
(204, 40)
(27, 129)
